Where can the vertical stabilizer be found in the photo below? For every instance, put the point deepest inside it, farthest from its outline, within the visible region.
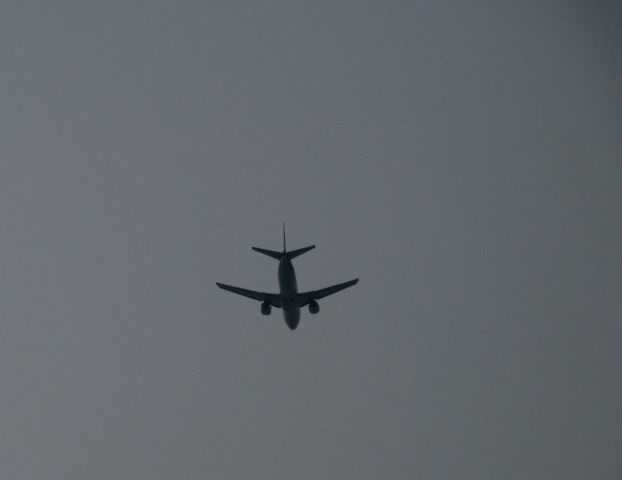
(284, 253)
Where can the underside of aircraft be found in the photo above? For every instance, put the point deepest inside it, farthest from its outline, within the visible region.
(288, 299)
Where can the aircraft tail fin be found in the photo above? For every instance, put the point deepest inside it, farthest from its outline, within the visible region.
(300, 251)
(284, 243)
(270, 253)
(279, 255)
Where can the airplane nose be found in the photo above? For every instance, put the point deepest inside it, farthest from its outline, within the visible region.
(292, 323)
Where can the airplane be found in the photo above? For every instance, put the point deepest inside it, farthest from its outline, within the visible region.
(289, 299)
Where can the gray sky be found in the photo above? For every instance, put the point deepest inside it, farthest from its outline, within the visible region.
(461, 158)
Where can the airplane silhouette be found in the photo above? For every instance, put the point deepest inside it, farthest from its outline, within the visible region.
(289, 299)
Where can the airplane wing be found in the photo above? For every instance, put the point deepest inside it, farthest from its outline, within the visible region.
(306, 297)
(272, 298)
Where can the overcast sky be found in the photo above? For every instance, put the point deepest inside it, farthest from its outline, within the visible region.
(462, 158)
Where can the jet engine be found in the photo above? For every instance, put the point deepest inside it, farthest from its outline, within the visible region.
(265, 308)
(314, 307)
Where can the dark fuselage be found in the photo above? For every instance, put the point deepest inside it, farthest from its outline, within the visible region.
(289, 290)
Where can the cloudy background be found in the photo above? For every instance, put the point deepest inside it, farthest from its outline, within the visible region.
(461, 158)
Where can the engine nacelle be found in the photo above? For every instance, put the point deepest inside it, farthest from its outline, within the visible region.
(265, 308)
(314, 307)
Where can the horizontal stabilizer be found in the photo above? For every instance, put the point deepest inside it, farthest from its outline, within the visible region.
(270, 253)
(300, 251)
